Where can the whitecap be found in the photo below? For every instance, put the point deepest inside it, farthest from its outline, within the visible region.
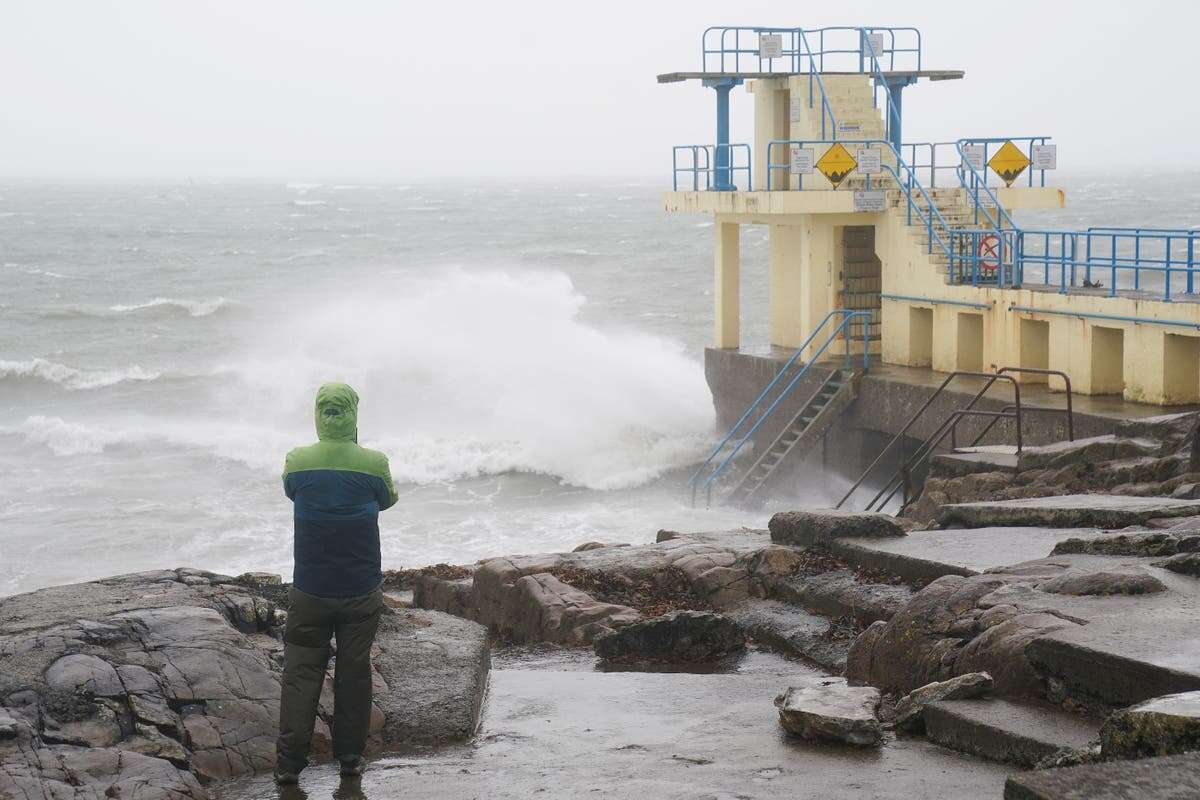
(73, 377)
(194, 308)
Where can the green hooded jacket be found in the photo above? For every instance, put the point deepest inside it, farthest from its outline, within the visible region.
(337, 489)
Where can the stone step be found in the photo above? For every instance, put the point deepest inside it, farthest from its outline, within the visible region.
(793, 631)
(924, 556)
(1066, 511)
(842, 594)
(1004, 730)
(1125, 659)
(969, 461)
(1166, 777)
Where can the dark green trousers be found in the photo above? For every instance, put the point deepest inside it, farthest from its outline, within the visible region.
(311, 623)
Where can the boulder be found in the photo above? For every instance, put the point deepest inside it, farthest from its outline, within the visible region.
(907, 715)
(820, 526)
(832, 711)
(1183, 563)
(1138, 543)
(679, 637)
(1104, 583)
(137, 686)
(1090, 450)
(541, 608)
(1159, 727)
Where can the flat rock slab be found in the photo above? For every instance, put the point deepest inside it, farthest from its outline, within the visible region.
(680, 637)
(1066, 511)
(792, 630)
(820, 526)
(1168, 778)
(1123, 659)
(1002, 730)
(962, 463)
(923, 556)
(832, 711)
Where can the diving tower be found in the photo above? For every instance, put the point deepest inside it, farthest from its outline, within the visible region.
(920, 236)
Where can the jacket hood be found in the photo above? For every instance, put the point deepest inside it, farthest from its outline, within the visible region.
(337, 413)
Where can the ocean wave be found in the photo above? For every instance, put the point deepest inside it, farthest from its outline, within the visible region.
(299, 202)
(194, 308)
(73, 377)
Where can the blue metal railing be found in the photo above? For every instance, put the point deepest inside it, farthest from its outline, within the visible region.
(704, 162)
(932, 159)
(706, 474)
(736, 49)
(1152, 261)
(937, 228)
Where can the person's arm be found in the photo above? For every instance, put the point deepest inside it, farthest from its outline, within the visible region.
(288, 487)
(390, 488)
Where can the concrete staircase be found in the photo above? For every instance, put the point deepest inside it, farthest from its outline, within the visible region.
(810, 422)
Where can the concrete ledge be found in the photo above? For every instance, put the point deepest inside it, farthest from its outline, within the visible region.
(1001, 730)
(1169, 778)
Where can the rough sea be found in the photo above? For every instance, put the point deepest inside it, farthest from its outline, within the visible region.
(529, 356)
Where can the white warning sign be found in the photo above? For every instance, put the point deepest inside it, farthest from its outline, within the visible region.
(870, 202)
(1044, 156)
(795, 108)
(770, 45)
(803, 159)
(873, 43)
(972, 157)
(870, 160)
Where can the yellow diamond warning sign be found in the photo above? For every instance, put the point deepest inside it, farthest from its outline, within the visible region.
(1008, 162)
(836, 164)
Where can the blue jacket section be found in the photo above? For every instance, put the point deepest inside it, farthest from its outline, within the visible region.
(336, 544)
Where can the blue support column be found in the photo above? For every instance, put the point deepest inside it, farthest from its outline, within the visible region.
(894, 116)
(722, 181)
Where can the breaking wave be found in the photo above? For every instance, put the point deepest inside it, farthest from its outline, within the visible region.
(73, 377)
(461, 374)
(194, 308)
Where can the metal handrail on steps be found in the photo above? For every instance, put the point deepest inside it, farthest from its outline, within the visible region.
(901, 479)
(990, 377)
(699, 478)
(1069, 410)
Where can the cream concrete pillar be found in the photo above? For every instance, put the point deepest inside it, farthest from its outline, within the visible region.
(786, 285)
(821, 250)
(726, 291)
(770, 123)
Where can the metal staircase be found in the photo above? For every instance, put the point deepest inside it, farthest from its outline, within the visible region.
(812, 419)
(810, 423)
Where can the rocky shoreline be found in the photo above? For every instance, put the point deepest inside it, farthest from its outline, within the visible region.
(1010, 615)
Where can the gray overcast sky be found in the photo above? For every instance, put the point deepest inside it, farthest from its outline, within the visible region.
(270, 88)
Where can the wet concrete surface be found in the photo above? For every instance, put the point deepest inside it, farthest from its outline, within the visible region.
(960, 551)
(555, 727)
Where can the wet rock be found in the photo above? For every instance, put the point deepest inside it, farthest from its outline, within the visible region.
(832, 711)
(843, 594)
(907, 715)
(586, 546)
(680, 637)
(1159, 727)
(792, 630)
(1090, 450)
(544, 609)
(1065, 511)
(84, 674)
(814, 527)
(259, 579)
(1104, 583)
(1140, 543)
(1183, 563)
(1168, 777)
(136, 685)
(1070, 757)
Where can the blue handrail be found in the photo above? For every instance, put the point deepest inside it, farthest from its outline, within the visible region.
(936, 226)
(704, 162)
(813, 73)
(842, 328)
(736, 49)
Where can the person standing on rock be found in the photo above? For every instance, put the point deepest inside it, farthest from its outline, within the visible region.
(337, 489)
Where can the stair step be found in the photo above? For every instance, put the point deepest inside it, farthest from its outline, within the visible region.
(1004, 730)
